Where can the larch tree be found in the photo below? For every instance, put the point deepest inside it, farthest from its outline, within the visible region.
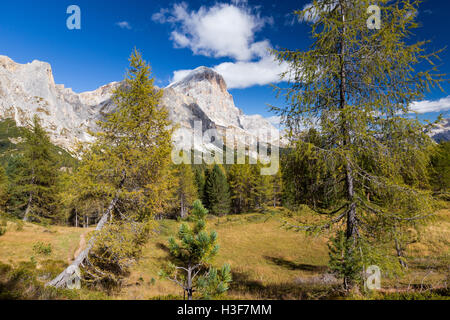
(307, 179)
(355, 84)
(262, 187)
(127, 170)
(276, 192)
(240, 181)
(185, 189)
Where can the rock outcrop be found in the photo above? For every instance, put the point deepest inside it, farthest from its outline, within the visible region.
(441, 131)
(29, 89)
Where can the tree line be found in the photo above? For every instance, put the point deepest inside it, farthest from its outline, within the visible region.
(363, 165)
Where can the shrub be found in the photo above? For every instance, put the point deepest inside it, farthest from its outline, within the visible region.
(117, 247)
(42, 248)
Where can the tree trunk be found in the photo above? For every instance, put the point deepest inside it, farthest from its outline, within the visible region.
(399, 249)
(30, 199)
(183, 208)
(189, 284)
(351, 215)
(400, 255)
(351, 231)
(27, 211)
(61, 280)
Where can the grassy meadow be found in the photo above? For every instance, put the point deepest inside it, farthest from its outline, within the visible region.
(267, 261)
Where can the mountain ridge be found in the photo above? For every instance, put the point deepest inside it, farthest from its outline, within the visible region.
(29, 89)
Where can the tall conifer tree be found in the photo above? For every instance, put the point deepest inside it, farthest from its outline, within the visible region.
(126, 170)
(185, 189)
(240, 180)
(35, 177)
(4, 192)
(355, 84)
(217, 192)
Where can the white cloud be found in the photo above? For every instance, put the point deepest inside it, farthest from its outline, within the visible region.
(225, 30)
(243, 74)
(431, 106)
(275, 121)
(180, 75)
(124, 25)
(160, 16)
(239, 2)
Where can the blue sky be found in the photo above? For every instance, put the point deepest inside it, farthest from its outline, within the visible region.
(175, 35)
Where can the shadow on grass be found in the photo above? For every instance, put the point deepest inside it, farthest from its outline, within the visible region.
(162, 246)
(296, 266)
(243, 285)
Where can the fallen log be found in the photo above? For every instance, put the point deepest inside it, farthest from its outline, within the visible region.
(66, 276)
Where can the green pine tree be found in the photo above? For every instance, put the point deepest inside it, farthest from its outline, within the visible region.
(4, 190)
(355, 85)
(261, 188)
(440, 170)
(191, 257)
(34, 177)
(199, 178)
(217, 192)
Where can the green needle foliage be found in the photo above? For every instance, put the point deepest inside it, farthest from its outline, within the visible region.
(199, 179)
(185, 190)
(35, 178)
(441, 170)
(191, 258)
(217, 192)
(125, 174)
(131, 157)
(249, 189)
(355, 86)
(4, 195)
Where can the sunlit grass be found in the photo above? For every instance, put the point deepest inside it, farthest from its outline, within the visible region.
(267, 261)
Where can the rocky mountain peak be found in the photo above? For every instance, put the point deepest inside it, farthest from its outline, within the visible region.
(7, 63)
(441, 131)
(199, 75)
(29, 89)
(209, 90)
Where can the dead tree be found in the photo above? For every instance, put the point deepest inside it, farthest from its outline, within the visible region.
(64, 277)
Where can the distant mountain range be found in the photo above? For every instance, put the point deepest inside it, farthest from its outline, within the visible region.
(29, 89)
(441, 132)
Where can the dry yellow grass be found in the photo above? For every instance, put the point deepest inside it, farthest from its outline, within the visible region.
(266, 260)
(16, 246)
(262, 255)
